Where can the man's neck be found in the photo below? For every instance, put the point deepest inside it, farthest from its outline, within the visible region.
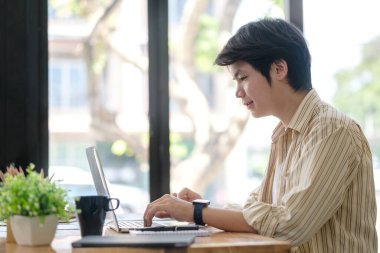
(289, 104)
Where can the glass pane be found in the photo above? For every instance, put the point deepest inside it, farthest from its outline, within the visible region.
(346, 63)
(98, 96)
(217, 149)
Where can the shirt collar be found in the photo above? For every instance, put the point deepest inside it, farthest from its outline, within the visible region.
(301, 117)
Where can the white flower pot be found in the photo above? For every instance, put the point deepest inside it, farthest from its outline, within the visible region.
(29, 231)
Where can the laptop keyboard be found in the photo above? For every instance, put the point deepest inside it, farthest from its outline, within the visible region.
(134, 224)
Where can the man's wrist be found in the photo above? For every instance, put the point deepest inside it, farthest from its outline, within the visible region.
(199, 204)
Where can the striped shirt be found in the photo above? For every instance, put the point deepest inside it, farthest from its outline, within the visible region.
(325, 198)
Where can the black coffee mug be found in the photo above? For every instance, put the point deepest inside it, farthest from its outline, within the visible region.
(91, 213)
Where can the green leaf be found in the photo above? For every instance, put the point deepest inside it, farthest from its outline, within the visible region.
(32, 195)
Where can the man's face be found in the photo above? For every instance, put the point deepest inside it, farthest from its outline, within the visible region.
(252, 88)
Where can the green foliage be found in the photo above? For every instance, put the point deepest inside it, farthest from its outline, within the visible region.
(32, 195)
(179, 149)
(120, 148)
(99, 57)
(279, 3)
(75, 8)
(358, 89)
(206, 47)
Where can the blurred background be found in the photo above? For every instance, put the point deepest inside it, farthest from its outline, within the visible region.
(98, 91)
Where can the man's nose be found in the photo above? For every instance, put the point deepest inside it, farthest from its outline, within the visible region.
(239, 93)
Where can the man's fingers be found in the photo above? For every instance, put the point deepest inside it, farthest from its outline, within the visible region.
(188, 195)
(162, 214)
(162, 199)
(152, 210)
(183, 194)
(148, 215)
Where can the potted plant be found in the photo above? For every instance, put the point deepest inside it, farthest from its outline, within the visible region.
(33, 204)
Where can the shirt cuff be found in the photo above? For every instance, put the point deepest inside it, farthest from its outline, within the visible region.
(262, 217)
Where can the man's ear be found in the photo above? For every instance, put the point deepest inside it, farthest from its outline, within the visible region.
(280, 69)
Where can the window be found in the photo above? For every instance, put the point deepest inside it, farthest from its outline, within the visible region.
(217, 149)
(98, 95)
(67, 84)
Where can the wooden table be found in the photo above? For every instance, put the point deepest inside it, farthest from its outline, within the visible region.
(218, 241)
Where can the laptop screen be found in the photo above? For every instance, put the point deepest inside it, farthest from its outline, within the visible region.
(99, 178)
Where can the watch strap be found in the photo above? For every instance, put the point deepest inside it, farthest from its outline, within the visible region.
(198, 219)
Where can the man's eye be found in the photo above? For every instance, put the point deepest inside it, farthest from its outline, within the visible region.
(242, 78)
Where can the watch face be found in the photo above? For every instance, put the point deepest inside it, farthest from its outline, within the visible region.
(204, 202)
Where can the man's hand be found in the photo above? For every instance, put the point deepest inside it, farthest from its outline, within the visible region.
(187, 194)
(169, 206)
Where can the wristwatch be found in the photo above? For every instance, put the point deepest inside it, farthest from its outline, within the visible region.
(199, 204)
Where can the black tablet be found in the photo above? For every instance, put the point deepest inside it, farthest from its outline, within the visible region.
(149, 241)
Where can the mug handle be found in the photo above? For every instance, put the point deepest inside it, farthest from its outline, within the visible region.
(109, 202)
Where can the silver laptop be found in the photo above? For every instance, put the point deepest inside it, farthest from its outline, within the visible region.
(102, 189)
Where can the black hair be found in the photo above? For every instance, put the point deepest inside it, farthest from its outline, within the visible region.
(263, 42)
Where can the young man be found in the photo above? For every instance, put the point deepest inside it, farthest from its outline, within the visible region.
(318, 190)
